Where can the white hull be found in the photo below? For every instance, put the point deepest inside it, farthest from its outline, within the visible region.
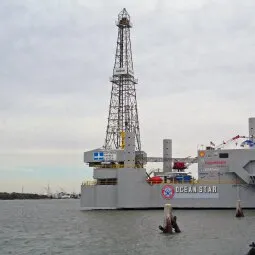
(132, 191)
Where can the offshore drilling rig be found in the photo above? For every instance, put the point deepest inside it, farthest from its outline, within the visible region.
(120, 179)
(123, 114)
(123, 123)
(122, 146)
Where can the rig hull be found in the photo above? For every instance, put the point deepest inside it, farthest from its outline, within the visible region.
(224, 176)
(133, 192)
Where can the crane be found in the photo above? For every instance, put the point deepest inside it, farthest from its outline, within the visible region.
(179, 164)
(187, 160)
(229, 141)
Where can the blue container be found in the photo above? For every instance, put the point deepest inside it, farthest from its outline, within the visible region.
(185, 178)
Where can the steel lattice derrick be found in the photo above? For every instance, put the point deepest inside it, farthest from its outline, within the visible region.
(123, 113)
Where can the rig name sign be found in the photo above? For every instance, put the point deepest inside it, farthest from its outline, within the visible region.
(186, 191)
(196, 189)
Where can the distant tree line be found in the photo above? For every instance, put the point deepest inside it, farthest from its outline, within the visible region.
(12, 196)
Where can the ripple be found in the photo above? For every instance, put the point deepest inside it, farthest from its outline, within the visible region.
(57, 227)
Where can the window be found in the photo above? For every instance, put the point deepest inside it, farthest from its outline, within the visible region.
(98, 155)
(223, 155)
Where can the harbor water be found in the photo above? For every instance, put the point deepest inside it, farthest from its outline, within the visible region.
(40, 227)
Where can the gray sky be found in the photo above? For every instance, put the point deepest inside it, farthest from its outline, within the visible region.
(194, 61)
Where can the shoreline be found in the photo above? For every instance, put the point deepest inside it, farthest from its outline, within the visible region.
(22, 196)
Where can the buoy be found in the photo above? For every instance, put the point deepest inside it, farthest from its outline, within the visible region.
(252, 250)
(170, 221)
(239, 211)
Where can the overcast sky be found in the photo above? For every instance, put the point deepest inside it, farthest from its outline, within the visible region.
(194, 61)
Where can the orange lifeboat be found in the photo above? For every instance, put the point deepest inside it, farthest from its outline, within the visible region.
(155, 180)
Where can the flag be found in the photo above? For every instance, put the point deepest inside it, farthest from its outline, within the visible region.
(211, 143)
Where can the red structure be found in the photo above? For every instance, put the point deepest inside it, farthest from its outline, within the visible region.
(179, 166)
(155, 180)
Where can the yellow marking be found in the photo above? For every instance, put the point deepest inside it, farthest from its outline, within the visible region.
(201, 154)
(123, 135)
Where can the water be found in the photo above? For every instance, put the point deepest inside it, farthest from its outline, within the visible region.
(58, 227)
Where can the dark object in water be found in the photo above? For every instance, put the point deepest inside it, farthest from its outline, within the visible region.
(161, 228)
(239, 211)
(170, 221)
(252, 250)
(239, 214)
(168, 226)
(175, 225)
(171, 224)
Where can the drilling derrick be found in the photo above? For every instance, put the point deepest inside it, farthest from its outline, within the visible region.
(123, 114)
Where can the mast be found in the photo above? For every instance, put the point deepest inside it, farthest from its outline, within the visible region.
(123, 113)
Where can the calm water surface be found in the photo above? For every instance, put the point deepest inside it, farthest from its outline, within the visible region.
(59, 227)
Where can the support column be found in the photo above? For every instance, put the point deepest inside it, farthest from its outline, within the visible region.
(129, 150)
(167, 155)
(252, 129)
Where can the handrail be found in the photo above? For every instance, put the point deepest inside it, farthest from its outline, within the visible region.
(89, 183)
(198, 182)
(117, 166)
(192, 182)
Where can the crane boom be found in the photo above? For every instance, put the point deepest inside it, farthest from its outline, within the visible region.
(230, 140)
(161, 159)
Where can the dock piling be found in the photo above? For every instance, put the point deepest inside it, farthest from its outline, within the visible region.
(170, 221)
(239, 211)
